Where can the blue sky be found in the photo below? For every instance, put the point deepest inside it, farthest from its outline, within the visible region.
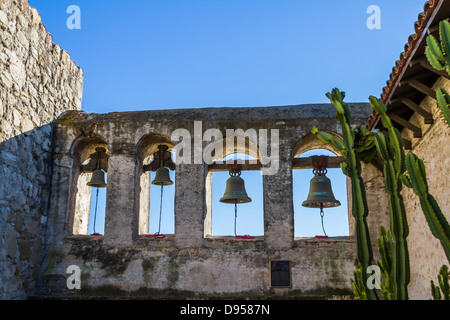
(149, 54)
(154, 54)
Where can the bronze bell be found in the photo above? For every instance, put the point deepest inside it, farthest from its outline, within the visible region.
(235, 191)
(97, 180)
(162, 177)
(321, 194)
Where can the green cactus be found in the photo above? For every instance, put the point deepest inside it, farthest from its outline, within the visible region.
(359, 290)
(356, 144)
(443, 279)
(359, 144)
(437, 222)
(438, 54)
(385, 247)
(443, 99)
(435, 292)
(392, 151)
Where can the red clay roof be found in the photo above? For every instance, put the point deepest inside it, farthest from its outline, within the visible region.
(420, 26)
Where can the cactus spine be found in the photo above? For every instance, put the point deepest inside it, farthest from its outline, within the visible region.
(391, 150)
(355, 142)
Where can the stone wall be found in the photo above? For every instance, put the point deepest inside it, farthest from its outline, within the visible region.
(38, 81)
(426, 253)
(125, 263)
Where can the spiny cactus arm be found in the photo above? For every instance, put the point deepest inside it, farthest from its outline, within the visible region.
(417, 174)
(434, 54)
(337, 99)
(353, 169)
(398, 145)
(443, 278)
(443, 99)
(357, 284)
(439, 58)
(385, 247)
(395, 138)
(381, 109)
(444, 33)
(399, 225)
(327, 138)
(437, 222)
(443, 281)
(405, 180)
(435, 291)
(435, 48)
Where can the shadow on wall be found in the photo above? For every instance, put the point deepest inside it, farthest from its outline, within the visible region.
(25, 181)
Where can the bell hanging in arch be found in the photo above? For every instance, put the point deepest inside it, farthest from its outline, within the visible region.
(98, 176)
(235, 192)
(162, 177)
(97, 180)
(320, 193)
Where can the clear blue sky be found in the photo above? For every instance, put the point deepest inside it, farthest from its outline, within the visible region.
(148, 54)
(154, 54)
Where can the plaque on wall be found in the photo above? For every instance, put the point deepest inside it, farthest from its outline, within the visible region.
(280, 274)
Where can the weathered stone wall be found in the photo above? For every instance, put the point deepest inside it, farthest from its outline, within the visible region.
(38, 82)
(125, 263)
(426, 253)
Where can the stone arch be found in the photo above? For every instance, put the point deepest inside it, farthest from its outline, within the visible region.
(145, 150)
(241, 142)
(82, 167)
(148, 145)
(308, 144)
(311, 142)
(246, 143)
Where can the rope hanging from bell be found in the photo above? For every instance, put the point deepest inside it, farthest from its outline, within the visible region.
(162, 178)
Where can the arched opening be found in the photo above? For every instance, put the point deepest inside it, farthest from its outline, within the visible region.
(87, 198)
(162, 206)
(308, 221)
(155, 202)
(247, 221)
(250, 216)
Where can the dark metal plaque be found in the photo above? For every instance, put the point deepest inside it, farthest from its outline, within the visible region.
(280, 274)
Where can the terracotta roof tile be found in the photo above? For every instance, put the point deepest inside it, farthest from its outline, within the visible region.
(400, 64)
